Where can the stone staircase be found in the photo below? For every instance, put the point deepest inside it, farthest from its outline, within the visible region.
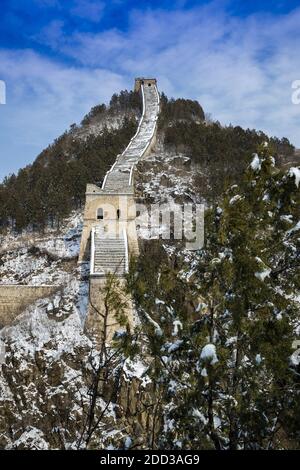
(119, 177)
(110, 255)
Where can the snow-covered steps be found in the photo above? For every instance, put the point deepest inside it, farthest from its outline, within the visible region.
(118, 182)
(108, 255)
(120, 175)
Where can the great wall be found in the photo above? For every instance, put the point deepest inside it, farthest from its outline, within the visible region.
(109, 236)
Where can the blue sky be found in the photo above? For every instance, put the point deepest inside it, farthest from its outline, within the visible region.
(60, 57)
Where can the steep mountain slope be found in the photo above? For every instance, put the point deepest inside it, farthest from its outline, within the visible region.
(46, 191)
(50, 366)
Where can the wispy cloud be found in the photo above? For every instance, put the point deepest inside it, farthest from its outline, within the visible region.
(88, 9)
(43, 99)
(239, 68)
(51, 34)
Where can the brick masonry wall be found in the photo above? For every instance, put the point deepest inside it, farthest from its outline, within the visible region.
(96, 312)
(15, 298)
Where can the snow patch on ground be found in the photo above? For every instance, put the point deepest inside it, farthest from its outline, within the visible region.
(31, 259)
(136, 369)
(32, 439)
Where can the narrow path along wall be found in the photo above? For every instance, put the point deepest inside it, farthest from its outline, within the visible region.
(109, 235)
(111, 207)
(119, 176)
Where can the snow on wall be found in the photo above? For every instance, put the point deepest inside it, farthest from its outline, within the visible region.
(43, 261)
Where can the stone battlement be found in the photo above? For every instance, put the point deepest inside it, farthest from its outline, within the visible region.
(139, 82)
(111, 210)
(115, 199)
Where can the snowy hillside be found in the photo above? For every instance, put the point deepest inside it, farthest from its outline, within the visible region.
(34, 259)
(210, 362)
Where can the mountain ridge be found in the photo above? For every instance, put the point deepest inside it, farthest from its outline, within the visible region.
(47, 190)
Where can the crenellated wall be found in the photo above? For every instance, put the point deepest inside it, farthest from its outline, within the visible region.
(118, 183)
(116, 198)
(109, 235)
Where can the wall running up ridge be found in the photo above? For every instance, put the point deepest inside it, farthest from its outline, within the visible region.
(109, 240)
(106, 253)
(116, 196)
(14, 299)
(119, 177)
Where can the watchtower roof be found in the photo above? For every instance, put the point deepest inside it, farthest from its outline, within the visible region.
(143, 81)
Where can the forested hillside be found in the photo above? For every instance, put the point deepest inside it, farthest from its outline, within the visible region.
(218, 326)
(211, 361)
(221, 152)
(46, 191)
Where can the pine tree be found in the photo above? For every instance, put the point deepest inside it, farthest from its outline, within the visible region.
(222, 369)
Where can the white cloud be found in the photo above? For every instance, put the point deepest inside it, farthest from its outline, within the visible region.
(240, 69)
(91, 10)
(43, 99)
(52, 34)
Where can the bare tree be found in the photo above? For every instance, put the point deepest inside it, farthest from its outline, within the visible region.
(105, 363)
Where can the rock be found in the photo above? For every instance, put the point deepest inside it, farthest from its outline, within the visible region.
(180, 162)
(165, 181)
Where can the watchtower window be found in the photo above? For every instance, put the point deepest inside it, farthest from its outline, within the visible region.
(149, 84)
(100, 213)
(118, 213)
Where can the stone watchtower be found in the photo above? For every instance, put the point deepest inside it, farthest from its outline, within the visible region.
(110, 210)
(139, 82)
(109, 232)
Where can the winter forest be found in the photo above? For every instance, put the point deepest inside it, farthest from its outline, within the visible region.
(149, 232)
(211, 361)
